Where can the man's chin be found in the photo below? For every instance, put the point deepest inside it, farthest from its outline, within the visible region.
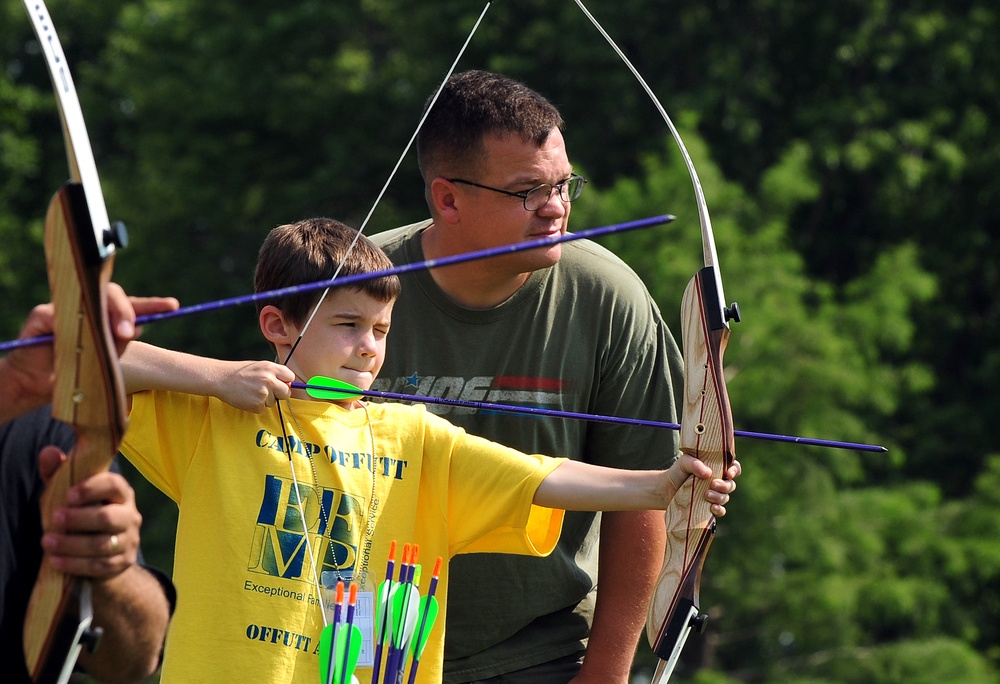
(543, 257)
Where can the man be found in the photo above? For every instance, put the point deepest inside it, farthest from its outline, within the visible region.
(95, 536)
(568, 327)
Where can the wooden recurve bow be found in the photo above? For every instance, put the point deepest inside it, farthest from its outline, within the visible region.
(707, 434)
(88, 392)
(706, 428)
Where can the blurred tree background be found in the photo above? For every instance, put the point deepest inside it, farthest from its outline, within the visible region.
(846, 155)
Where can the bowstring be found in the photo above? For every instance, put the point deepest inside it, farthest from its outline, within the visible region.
(392, 174)
(288, 449)
(302, 513)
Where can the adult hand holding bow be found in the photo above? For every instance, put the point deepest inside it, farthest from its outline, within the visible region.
(95, 535)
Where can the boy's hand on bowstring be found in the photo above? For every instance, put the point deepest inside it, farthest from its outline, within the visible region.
(255, 386)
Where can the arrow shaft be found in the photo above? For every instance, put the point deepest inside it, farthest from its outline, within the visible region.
(360, 277)
(573, 415)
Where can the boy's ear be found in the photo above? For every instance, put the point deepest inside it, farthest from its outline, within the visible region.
(274, 327)
(444, 200)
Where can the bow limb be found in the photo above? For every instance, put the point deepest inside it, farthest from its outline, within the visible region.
(706, 429)
(88, 393)
(706, 434)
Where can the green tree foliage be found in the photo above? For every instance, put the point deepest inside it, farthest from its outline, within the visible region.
(893, 103)
(849, 165)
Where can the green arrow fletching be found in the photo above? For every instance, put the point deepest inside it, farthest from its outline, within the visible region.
(428, 614)
(322, 387)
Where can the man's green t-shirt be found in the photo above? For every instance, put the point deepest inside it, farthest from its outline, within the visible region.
(583, 336)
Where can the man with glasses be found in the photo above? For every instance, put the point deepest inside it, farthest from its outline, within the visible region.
(565, 326)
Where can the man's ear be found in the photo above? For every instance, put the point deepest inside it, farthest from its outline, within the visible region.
(444, 201)
(274, 327)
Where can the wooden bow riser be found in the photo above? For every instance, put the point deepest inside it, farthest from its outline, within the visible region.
(88, 395)
(707, 434)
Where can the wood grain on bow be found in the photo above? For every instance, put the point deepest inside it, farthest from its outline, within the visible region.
(706, 434)
(88, 392)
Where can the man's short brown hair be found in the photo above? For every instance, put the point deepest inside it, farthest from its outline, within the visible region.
(471, 106)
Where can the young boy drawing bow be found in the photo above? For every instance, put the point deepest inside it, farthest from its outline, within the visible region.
(276, 505)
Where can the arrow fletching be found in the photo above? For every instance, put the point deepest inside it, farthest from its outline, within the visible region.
(405, 600)
(328, 638)
(348, 643)
(428, 614)
(331, 389)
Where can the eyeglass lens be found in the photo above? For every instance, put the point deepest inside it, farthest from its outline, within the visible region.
(569, 190)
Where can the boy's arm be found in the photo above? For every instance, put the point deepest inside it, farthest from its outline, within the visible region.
(246, 385)
(576, 486)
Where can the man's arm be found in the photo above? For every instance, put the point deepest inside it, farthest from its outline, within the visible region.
(96, 536)
(631, 547)
(631, 552)
(133, 609)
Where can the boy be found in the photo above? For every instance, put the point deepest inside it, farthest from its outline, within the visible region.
(277, 505)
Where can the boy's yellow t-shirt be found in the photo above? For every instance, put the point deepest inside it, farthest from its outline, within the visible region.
(248, 605)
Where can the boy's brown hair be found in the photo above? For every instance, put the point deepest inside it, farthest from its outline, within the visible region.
(309, 251)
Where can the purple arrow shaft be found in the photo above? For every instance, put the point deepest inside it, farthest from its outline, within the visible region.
(396, 270)
(573, 415)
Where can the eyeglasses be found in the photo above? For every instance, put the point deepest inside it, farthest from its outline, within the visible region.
(538, 197)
